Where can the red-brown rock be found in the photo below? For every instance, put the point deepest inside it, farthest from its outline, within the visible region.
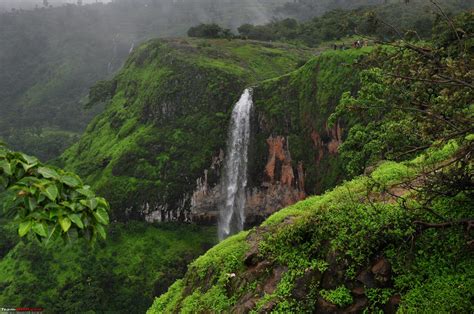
(382, 271)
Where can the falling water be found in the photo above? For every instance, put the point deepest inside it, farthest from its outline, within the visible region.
(231, 216)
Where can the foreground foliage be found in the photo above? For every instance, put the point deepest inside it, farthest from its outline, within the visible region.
(49, 202)
(325, 248)
(424, 92)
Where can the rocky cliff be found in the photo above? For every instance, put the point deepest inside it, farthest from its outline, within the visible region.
(293, 153)
(156, 151)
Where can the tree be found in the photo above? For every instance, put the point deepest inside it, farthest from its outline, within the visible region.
(49, 202)
(209, 31)
(423, 92)
(413, 98)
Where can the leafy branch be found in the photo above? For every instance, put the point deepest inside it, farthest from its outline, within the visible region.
(50, 203)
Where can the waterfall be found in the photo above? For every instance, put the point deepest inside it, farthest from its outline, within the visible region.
(231, 211)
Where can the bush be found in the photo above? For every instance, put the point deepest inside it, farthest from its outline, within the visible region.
(209, 31)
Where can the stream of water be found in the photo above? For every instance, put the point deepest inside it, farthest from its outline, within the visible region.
(231, 212)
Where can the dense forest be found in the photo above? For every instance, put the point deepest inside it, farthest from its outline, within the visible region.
(283, 157)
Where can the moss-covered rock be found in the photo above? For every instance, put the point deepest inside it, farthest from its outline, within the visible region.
(297, 106)
(293, 151)
(166, 117)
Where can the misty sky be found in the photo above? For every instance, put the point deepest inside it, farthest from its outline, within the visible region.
(27, 4)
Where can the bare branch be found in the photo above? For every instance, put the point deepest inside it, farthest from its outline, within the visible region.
(450, 22)
(468, 222)
(448, 80)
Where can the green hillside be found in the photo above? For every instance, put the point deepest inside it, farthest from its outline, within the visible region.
(121, 275)
(166, 117)
(395, 238)
(353, 248)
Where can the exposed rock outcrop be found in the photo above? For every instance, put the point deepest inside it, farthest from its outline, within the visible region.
(331, 144)
(283, 185)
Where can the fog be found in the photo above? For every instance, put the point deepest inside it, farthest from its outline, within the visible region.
(229, 13)
(51, 55)
(6, 5)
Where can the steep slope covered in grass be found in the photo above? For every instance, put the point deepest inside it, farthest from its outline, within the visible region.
(166, 120)
(356, 247)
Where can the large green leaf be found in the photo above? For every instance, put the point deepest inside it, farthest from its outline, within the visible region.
(27, 166)
(65, 223)
(51, 192)
(91, 203)
(6, 167)
(53, 234)
(48, 173)
(70, 180)
(102, 216)
(40, 229)
(75, 218)
(30, 160)
(86, 192)
(101, 231)
(24, 228)
(102, 202)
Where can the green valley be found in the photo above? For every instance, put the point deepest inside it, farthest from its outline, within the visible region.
(307, 156)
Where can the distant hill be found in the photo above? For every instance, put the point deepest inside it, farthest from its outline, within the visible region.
(50, 57)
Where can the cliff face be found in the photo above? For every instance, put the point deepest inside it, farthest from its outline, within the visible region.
(293, 152)
(157, 150)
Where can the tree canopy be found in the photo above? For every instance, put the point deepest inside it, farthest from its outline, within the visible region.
(411, 97)
(209, 31)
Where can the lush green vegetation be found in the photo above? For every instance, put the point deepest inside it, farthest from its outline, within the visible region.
(398, 237)
(423, 92)
(298, 106)
(51, 203)
(123, 274)
(393, 121)
(357, 222)
(383, 22)
(163, 120)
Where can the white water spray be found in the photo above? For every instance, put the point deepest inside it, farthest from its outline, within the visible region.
(231, 211)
